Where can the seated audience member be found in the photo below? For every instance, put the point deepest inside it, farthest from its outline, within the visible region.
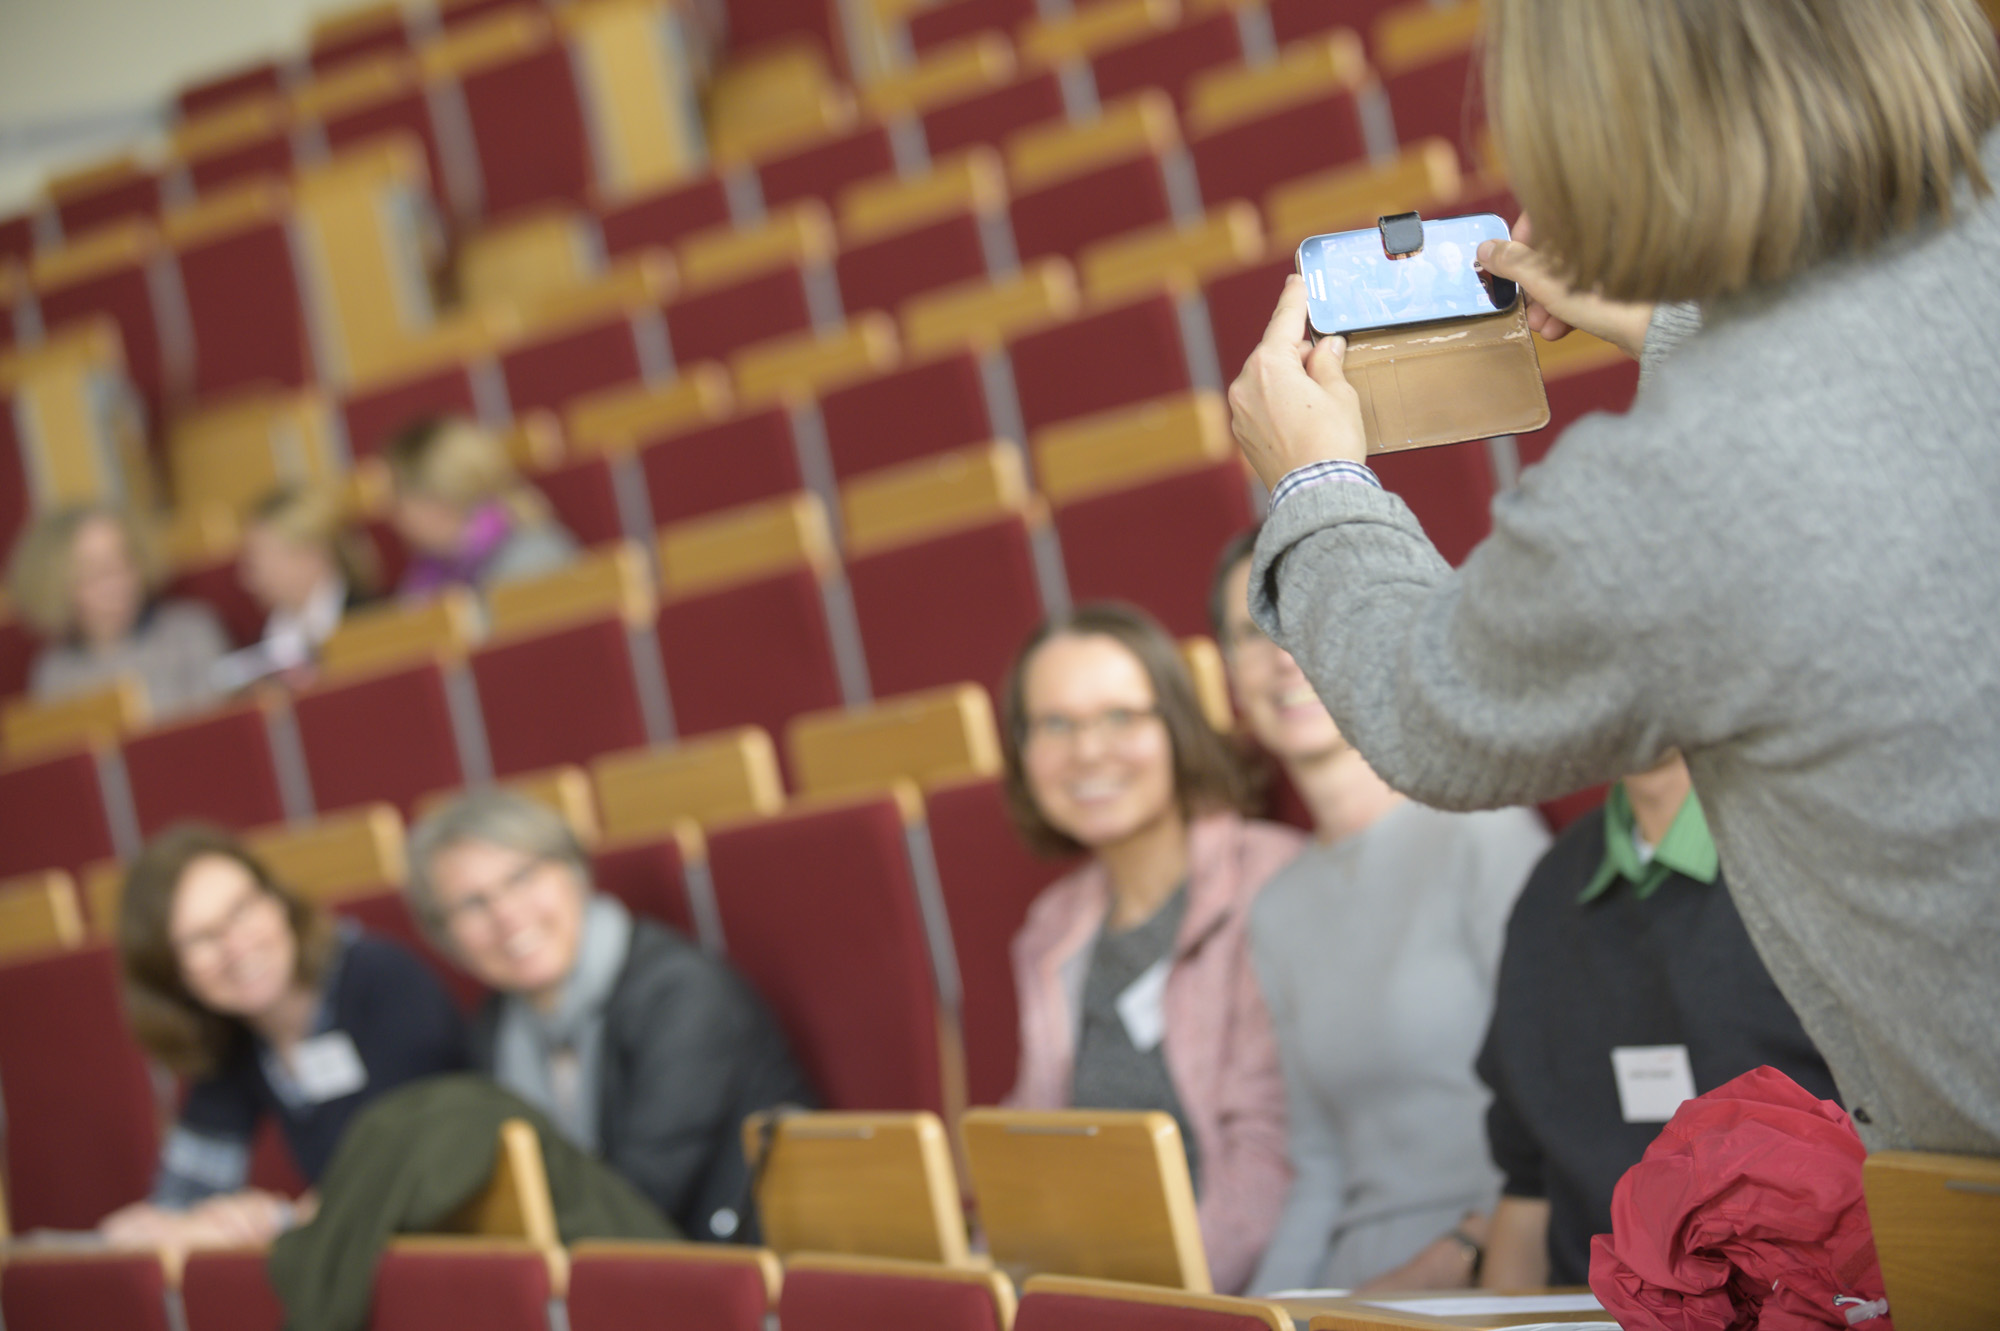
(271, 1008)
(642, 1048)
(308, 570)
(1378, 948)
(1628, 982)
(468, 517)
(1135, 984)
(84, 578)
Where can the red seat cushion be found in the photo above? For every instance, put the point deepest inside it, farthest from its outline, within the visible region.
(1440, 99)
(1064, 217)
(989, 879)
(584, 496)
(824, 169)
(82, 1138)
(952, 608)
(559, 697)
(838, 950)
(914, 412)
(706, 470)
(377, 416)
(495, 1291)
(385, 736)
(754, 654)
(1155, 543)
(650, 877)
(229, 1291)
(1246, 160)
(549, 372)
(761, 23)
(989, 117)
(126, 1292)
(882, 274)
(1169, 59)
(1108, 359)
(52, 815)
(620, 1291)
(661, 220)
(711, 324)
(219, 768)
(528, 132)
(269, 157)
(128, 197)
(244, 306)
(861, 1301)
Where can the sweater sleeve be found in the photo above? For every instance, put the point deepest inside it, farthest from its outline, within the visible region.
(1535, 670)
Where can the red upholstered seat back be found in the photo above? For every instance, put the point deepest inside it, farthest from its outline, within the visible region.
(550, 371)
(98, 1292)
(81, 1135)
(1245, 160)
(710, 324)
(989, 879)
(584, 496)
(660, 220)
(382, 737)
(650, 877)
(219, 586)
(492, 1290)
(387, 913)
(559, 697)
(818, 1300)
(528, 132)
(1169, 59)
(120, 199)
(408, 114)
(229, 1291)
(219, 768)
(942, 23)
(1293, 19)
(1440, 98)
(820, 913)
(931, 407)
(827, 167)
(989, 117)
(626, 1288)
(246, 311)
(1155, 543)
(756, 654)
(52, 815)
(1450, 490)
(1064, 217)
(882, 274)
(377, 416)
(125, 296)
(739, 461)
(1103, 360)
(1239, 309)
(952, 608)
(1044, 1311)
(18, 646)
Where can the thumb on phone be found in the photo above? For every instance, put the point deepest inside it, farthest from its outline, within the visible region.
(1327, 361)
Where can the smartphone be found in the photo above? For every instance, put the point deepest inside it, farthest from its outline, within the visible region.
(1353, 283)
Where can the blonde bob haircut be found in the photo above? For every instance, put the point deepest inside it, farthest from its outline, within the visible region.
(38, 578)
(461, 463)
(1685, 149)
(313, 517)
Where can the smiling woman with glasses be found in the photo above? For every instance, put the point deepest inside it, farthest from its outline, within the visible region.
(1134, 978)
(640, 1047)
(270, 1008)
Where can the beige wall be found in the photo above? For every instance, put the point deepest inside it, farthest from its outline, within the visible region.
(82, 58)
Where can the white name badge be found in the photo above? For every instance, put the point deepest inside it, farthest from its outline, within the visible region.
(1653, 1081)
(327, 1067)
(1143, 1007)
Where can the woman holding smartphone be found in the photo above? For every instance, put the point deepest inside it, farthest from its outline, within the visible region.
(1783, 561)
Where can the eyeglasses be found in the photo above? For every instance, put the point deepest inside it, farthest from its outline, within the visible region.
(203, 948)
(481, 904)
(1118, 725)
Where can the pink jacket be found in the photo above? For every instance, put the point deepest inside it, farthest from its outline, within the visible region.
(1219, 1047)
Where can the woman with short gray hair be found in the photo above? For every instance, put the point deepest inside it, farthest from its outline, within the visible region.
(640, 1047)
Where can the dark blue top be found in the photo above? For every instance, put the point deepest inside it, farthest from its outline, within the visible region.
(403, 1027)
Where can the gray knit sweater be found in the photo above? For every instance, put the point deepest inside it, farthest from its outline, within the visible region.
(1785, 561)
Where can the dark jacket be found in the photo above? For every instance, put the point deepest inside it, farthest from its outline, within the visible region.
(689, 1052)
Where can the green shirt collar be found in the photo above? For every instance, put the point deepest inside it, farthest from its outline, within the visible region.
(1686, 849)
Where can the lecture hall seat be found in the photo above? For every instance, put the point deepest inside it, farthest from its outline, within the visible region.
(113, 279)
(229, 1290)
(85, 1291)
(661, 220)
(530, 143)
(991, 116)
(219, 767)
(398, 103)
(386, 735)
(710, 1287)
(493, 1284)
(584, 497)
(1069, 214)
(710, 324)
(95, 199)
(52, 813)
(1113, 546)
(882, 273)
(1134, 352)
(548, 371)
(562, 695)
(245, 306)
(1169, 59)
(916, 411)
(825, 168)
(934, 26)
(377, 414)
(649, 875)
(710, 468)
(824, 1292)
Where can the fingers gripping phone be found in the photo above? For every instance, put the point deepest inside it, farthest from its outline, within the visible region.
(1438, 350)
(1403, 271)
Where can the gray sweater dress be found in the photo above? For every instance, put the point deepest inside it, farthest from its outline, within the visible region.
(1784, 561)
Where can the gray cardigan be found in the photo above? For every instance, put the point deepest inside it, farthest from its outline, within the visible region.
(1785, 561)
(172, 652)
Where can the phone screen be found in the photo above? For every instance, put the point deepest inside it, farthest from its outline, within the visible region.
(1351, 284)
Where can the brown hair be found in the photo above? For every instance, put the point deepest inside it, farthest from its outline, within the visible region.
(38, 578)
(460, 462)
(168, 1021)
(1683, 149)
(1241, 547)
(1207, 776)
(307, 516)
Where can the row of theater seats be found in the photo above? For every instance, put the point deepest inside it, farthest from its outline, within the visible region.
(896, 934)
(605, 1286)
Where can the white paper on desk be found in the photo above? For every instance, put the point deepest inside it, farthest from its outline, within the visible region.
(1495, 1305)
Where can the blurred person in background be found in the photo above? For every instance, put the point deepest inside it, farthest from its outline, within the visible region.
(307, 569)
(86, 579)
(466, 514)
(1133, 971)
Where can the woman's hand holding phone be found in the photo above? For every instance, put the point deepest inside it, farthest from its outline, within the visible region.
(1292, 403)
(1553, 306)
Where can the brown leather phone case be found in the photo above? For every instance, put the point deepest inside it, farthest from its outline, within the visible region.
(1445, 383)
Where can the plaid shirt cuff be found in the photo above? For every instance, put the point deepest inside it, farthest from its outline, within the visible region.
(1316, 473)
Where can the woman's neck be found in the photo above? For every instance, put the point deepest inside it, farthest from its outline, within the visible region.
(1145, 868)
(1656, 798)
(287, 1021)
(1342, 792)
